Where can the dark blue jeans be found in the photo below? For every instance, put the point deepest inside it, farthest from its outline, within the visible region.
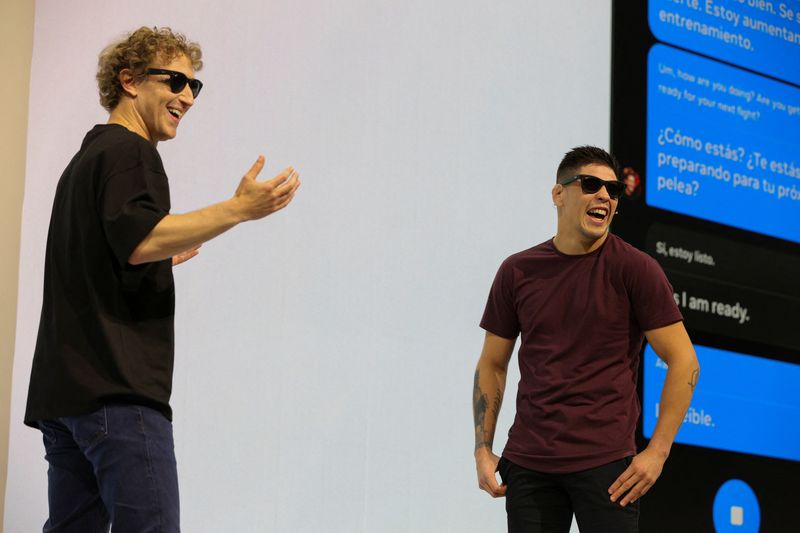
(114, 466)
(538, 502)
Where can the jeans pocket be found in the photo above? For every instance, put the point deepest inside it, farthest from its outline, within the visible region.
(502, 468)
(48, 433)
(88, 430)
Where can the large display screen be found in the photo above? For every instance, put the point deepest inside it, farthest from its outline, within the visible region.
(758, 35)
(706, 123)
(722, 144)
(731, 410)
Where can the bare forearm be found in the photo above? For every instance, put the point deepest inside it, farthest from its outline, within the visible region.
(676, 396)
(487, 397)
(253, 200)
(177, 233)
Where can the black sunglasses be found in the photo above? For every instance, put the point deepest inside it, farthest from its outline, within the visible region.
(177, 81)
(592, 184)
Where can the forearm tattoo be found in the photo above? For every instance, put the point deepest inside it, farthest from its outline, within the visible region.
(480, 405)
(498, 401)
(694, 377)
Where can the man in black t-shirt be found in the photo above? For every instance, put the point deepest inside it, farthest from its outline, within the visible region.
(582, 302)
(102, 368)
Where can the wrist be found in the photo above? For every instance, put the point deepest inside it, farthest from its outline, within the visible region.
(483, 451)
(660, 448)
(235, 210)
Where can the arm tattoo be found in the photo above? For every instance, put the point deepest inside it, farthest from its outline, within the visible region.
(479, 405)
(498, 401)
(693, 379)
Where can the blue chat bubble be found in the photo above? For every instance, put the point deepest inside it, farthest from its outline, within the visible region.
(756, 34)
(742, 403)
(722, 144)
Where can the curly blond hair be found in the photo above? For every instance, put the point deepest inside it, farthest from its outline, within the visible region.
(136, 52)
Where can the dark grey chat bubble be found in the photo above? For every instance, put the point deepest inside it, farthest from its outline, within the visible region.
(718, 259)
(730, 288)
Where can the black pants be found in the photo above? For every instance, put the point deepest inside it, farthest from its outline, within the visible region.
(537, 502)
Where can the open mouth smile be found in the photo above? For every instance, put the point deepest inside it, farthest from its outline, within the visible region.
(177, 113)
(599, 214)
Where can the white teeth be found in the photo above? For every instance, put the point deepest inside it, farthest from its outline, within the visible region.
(598, 211)
(175, 112)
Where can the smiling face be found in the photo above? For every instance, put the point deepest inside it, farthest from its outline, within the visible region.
(161, 110)
(584, 218)
(150, 108)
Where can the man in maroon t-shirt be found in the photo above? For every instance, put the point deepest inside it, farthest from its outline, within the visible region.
(582, 302)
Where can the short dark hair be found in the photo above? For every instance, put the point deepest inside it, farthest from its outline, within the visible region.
(585, 155)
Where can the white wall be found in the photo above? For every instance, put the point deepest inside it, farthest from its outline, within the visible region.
(325, 355)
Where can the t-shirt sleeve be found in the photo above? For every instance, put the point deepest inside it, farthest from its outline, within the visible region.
(500, 315)
(132, 202)
(652, 296)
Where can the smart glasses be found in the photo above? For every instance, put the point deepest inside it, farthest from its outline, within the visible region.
(592, 184)
(177, 81)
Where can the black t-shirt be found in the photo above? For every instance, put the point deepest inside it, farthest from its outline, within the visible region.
(106, 329)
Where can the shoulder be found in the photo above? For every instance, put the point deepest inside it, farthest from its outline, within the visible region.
(540, 251)
(112, 136)
(636, 267)
(120, 149)
(626, 254)
(522, 265)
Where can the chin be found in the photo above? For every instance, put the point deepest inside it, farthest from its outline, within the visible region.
(166, 135)
(595, 234)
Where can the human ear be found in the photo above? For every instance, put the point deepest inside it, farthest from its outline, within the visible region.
(556, 193)
(128, 82)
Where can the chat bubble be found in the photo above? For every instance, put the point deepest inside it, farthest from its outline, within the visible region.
(742, 403)
(756, 34)
(736, 312)
(729, 287)
(722, 144)
(715, 259)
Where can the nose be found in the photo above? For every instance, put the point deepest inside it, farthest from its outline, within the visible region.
(186, 97)
(602, 194)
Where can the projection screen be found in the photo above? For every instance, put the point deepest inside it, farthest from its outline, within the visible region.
(324, 355)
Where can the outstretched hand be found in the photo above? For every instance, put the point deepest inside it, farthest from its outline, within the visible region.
(185, 256)
(486, 464)
(257, 199)
(637, 479)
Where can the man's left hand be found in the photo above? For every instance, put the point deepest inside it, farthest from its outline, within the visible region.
(637, 479)
(185, 256)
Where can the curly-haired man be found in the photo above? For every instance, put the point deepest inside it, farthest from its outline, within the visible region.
(102, 368)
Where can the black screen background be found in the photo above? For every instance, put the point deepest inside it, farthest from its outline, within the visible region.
(682, 498)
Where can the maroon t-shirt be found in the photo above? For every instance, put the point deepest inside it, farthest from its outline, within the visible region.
(582, 320)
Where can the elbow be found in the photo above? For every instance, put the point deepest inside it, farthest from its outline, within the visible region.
(695, 362)
(145, 252)
(137, 257)
(495, 366)
(135, 260)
